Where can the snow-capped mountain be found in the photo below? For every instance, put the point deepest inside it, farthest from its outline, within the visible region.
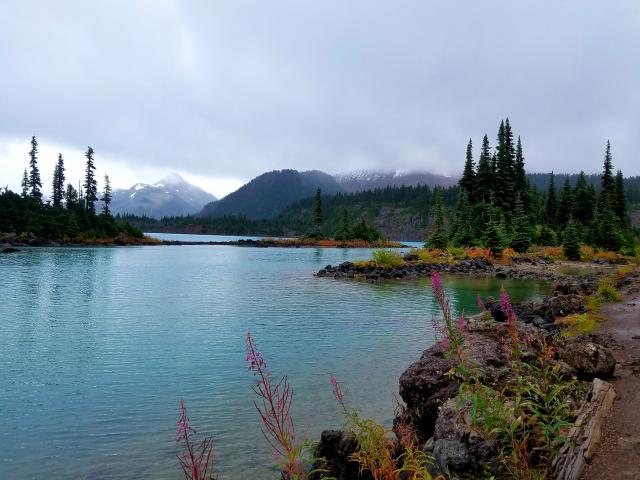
(370, 180)
(170, 196)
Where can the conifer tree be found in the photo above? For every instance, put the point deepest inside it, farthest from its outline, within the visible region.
(571, 241)
(438, 237)
(495, 237)
(551, 204)
(546, 237)
(566, 203)
(605, 229)
(71, 197)
(58, 182)
(25, 184)
(35, 184)
(90, 183)
(521, 238)
(484, 176)
(468, 180)
(317, 213)
(520, 175)
(344, 231)
(106, 196)
(583, 201)
(608, 183)
(462, 232)
(620, 200)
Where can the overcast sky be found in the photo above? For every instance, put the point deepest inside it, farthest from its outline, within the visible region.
(222, 91)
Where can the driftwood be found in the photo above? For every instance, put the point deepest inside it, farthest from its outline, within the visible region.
(584, 436)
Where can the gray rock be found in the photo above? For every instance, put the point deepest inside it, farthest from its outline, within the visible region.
(587, 358)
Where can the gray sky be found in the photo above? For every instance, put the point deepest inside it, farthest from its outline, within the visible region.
(222, 91)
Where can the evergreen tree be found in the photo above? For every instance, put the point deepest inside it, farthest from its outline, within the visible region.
(571, 241)
(546, 237)
(620, 200)
(605, 229)
(505, 172)
(495, 237)
(484, 177)
(438, 237)
(25, 184)
(521, 183)
(521, 238)
(58, 182)
(317, 213)
(35, 184)
(468, 180)
(551, 204)
(106, 196)
(71, 197)
(344, 231)
(583, 201)
(566, 203)
(608, 183)
(462, 232)
(90, 183)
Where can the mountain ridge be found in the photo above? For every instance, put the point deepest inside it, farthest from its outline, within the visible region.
(169, 196)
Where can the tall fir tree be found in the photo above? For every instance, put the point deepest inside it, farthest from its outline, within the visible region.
(468, 180)
(71, 197)
(317, 213)
(521, 183)
(462, 231)
(106, 197)
(608, 182)
(566, 203)
(583, 201)
(58, 182)
(484, 176)
(438, 237)
(495, 237)
(551, 204)
(344, 231)
(35, 184)
(571, 240)
(25, 184)
(522, 233)
(90, 183)
(620, 200)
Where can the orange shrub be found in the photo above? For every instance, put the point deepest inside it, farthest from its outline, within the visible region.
(554, 253)
(587, 253)
(479, 252)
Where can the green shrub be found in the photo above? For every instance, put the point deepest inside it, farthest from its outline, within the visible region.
(606, 292)
(387, 258)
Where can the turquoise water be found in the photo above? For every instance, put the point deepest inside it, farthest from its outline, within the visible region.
(97, 346)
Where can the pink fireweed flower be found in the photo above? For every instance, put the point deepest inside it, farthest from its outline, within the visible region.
(512, 324)
(337, 391)
(461, 323)
(436, 282)
(481, 304)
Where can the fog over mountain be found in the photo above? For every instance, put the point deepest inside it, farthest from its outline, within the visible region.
(226, 90)
(170, 196)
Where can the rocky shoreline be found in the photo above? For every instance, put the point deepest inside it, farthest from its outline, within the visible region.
(433, 409)
(286, 243)
(539, 269)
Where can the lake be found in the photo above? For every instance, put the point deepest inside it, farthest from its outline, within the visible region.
(98, 345)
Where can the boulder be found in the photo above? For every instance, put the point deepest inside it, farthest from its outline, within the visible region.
(9, 250)
(333, 457)
(563, 305)
(588, 358)
(458, 450)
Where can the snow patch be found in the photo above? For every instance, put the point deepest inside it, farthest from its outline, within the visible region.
(139, 186)
(132, 195)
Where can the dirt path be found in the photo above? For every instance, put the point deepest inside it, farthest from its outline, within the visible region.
(618, 456)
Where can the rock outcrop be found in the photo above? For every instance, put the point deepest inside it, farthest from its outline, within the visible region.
(587, 358)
